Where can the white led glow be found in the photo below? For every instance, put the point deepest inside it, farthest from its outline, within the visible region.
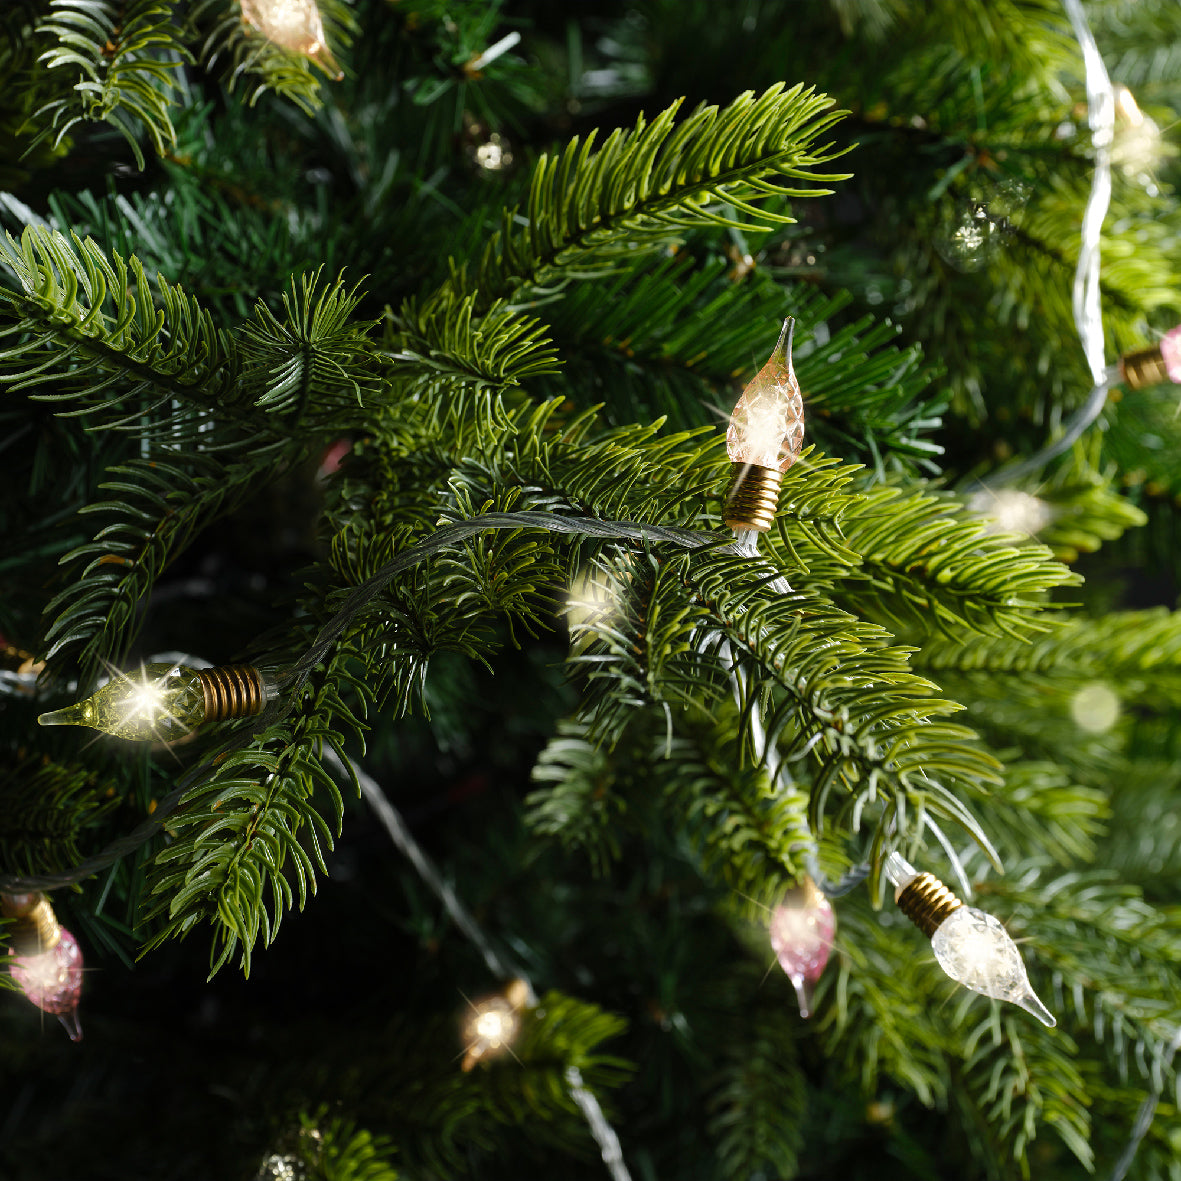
(974, 949)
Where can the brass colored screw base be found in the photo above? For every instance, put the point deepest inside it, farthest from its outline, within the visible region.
(926, 901)
(1143, 368)
(35, 929)
(232, 691)
(753, 496)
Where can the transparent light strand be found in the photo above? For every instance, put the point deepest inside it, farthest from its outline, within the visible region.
(1085, 296)
(399, 832)
(1088, 313)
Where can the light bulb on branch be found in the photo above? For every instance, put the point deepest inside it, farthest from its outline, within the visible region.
(295, 25)
(494, 1022)
(167, 701)
(802, 929)
(765, 436)
(1154, 365)
(970, 946)
(44, 958)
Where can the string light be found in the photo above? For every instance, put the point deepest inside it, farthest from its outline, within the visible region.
(765, 436)
(44, 958)
(802, 929)
(167, 701)
(295, 25)
(494, 1023)
(970, 946)
(1154, 365)
(1009, 510)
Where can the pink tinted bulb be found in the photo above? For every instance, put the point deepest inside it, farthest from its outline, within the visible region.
(802, 930)
(52, 980)
(1170, 350)
(767, 426)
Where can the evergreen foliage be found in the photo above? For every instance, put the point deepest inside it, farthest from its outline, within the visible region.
(518, 284)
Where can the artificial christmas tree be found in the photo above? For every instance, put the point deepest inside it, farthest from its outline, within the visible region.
(365, 444)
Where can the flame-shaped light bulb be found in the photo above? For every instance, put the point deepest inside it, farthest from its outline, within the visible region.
(494, 1023)
(44, 958)
(765, 436)
(802, 929)
(295, 25)
(166, 701)
(972, 947)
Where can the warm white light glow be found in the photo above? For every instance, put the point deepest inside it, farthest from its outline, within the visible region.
(974, 949)
(767, 426)
(494, 1027)
(1095, 707)
(1009, 510)
(295, 25)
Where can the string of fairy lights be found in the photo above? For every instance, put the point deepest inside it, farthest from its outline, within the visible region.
(764, 438)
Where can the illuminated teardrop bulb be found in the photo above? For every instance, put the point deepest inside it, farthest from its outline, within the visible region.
(494, 1022)
(972, 947)
(802, 929)
(767, 425)
(166, 701)
(765, 436)
(44, 958)
(295, 25)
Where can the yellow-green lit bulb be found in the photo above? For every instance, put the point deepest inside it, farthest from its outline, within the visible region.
(166, 701)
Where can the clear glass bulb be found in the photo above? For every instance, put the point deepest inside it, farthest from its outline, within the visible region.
(162, 701)
(767, 426)
(295, 25)
(974, 949)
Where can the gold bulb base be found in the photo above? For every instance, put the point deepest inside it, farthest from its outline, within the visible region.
(1143, 368)
(34, 928)
(232, 691)
(753, 497)
(926, 901)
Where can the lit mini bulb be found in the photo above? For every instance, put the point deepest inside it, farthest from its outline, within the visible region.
(765, 436)
(45, 959)
(1010, 510)
(802, 929)
(494, 1022)
(972, 947)
(166, 701)
(294, 25)
(1138, 146)
(1154, 365)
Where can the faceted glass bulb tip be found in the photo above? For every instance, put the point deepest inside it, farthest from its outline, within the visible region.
(52, 980)
(802, 930)
(162, 701)
(767, 426)
(975, 949)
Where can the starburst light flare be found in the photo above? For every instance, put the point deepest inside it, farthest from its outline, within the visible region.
(494, 1022)
(972, 947)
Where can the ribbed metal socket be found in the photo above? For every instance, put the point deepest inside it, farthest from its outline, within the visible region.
(1143, 368)
(232, 691)
(35, 928)
(753, 496)
(926, 901)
